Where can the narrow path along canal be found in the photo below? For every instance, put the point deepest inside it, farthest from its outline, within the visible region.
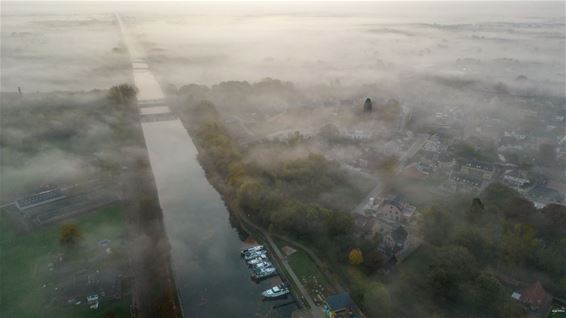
(212, 279)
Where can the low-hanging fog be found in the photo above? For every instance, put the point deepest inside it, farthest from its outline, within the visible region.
(285, 84)
(476, 58)
(392, 44)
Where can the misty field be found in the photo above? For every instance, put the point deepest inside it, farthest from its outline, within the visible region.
(26, 257)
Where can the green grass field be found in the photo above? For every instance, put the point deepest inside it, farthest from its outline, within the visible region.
(309, 274)
(302, 264)
(24, 259)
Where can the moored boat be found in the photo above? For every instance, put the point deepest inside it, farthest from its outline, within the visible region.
(252, 255)
(262, 265)
(257, 260)
(276, 291)
(264, 273)
(252, 249)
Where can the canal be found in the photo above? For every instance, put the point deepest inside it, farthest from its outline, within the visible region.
(212, 279)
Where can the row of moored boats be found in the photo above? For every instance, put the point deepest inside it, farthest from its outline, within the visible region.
(257, 259)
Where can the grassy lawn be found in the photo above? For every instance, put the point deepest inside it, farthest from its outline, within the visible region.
(302, 264)
(311, 277)
(24, 261)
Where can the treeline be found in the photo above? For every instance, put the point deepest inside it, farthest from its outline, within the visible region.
(268, 195)
(267, 94)
(277, 196)
(475, 252)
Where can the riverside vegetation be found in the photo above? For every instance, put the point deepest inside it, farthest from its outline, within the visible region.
(471, 244)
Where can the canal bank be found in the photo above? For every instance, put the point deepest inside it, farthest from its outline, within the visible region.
(211, 278)
(311, 310)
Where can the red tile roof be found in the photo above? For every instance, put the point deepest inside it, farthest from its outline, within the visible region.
(534, 295)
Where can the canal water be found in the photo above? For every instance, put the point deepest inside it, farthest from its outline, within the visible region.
(212, 279)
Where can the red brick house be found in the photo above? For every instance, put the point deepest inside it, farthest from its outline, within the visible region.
(534, 297)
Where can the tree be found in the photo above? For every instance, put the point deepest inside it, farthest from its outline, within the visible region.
(377, 301)
(489, 292)
(475, 242)
(236, 173)
(69, 235)
(249, 195)
(519, 243)
(387, 168)
(497, 195)
(501, 88)
(467, 151)
(338, 223)
(554, 221)
(257, 200)
(391, 111)
(123, 94)
(451, 267)
(110, 314)
(476, 210)
(436, 225)
(374, 261)
(329, 132)
(519, 210)
(355, 257)
(368, 106)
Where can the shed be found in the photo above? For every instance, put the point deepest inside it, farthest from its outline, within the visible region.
(338, 303)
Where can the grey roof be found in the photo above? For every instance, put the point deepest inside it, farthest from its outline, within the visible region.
(478, 165)
(516, 173)
(39, 198)
(465, 179)
(544, 193)
(339, 301)
(399, 235)
(398, 201)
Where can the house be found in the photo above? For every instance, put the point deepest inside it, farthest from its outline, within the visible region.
(516, 178)
(396, 209)
(510, 144)
(338, 305)
(356, 134)
(534, 297)
(40, 198)
(465, 181)
(433, 144)
(394, 242)
(477, 169)
(425, 167)
(368, 227)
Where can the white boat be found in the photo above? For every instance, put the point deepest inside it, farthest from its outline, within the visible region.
(257, 260)
(262, 265)
(276, 291)
(264, 272)
(251, 255)
(253, 249)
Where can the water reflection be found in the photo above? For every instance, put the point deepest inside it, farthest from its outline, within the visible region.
(212, 278)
